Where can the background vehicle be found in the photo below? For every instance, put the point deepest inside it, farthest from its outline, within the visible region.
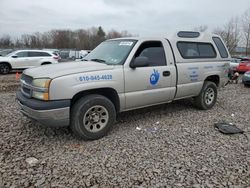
(22, 59)
(234, 63)
(243, 66)
(124, 74)
(246, 78)
(5, 52)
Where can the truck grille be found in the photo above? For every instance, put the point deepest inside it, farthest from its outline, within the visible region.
(27, 79)
(26, 82)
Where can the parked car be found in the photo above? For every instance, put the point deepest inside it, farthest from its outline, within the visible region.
(234, 63)
(22, 59)
(125, 74)
(5, 52)
(246, 78)
(244, 66)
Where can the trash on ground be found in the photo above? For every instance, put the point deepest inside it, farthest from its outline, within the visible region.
(152, 130)
(227, 128)
(138, 128)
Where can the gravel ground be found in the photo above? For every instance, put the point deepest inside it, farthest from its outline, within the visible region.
(172, 145)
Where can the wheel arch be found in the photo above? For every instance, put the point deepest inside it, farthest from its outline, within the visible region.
(5, 62)
(110, 93)
(214, 78)
(46, 63)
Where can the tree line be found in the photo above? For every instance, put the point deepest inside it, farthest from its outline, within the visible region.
(64, 38)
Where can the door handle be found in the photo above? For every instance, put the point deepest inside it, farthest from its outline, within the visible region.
(166, 73)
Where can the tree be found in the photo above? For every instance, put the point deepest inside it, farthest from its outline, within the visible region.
(230, 34)
(201, 28)
(246, 29)
(5, 41)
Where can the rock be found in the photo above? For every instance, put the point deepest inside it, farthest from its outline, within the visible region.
(40, 181)
(32, 161)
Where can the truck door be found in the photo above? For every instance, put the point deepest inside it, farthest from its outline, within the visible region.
(151, 84)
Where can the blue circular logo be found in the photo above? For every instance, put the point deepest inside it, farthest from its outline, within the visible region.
(154, 77)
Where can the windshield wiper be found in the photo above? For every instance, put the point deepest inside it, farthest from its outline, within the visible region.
(98, 60)
(84, 60)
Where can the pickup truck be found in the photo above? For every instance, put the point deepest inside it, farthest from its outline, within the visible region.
(125, 74)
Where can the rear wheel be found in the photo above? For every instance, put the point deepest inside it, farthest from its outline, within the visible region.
(92, 117)
(207, 97)
(4, 68)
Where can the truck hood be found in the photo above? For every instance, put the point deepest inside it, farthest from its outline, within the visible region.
(62, 69)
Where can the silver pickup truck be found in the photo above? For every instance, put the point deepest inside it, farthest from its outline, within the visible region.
(124, 74)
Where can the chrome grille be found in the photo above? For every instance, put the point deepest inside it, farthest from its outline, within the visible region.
(27, 79)
(26, 82)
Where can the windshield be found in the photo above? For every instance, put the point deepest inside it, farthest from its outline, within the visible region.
(112, 52)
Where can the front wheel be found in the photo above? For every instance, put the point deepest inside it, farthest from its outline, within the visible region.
(4, 68)
(207, 97)
(92, 117)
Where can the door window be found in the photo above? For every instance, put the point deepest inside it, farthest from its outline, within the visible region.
(22, 54)
(154, 51)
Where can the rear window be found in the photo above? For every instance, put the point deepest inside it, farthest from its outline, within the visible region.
(39, 54)
(44, 54)
(222, 49)
(196, 50)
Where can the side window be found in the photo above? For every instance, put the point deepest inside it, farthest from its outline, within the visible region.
(22, 54)
(222, 49)
(188, 50)
(196, 50)
(34, 54)
(154, 51)
(44, 54)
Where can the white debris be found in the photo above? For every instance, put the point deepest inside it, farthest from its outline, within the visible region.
(32, 161)
(138, 128)
(232, 115)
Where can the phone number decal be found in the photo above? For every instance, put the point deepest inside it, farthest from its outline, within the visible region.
(96, 77)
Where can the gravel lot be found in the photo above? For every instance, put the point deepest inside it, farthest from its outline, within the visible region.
(172, 145)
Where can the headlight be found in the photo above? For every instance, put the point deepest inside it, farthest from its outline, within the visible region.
(41, 83)
(40, 95)
(41, 89)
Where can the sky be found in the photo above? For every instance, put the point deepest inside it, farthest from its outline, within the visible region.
(141, 17)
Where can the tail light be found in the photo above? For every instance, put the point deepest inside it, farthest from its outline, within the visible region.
(56, 57)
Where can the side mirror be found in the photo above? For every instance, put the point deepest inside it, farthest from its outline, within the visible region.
(139, 62)
(14, 56)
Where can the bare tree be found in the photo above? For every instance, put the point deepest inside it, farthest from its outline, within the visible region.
(246, 29)
(230, 34)
(201, 28)
(5, 41)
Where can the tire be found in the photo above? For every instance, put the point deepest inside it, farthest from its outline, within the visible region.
(92, 117)
(4, 68)
(207, 97)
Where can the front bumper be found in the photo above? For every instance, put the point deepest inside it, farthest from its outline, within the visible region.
(49, 113)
